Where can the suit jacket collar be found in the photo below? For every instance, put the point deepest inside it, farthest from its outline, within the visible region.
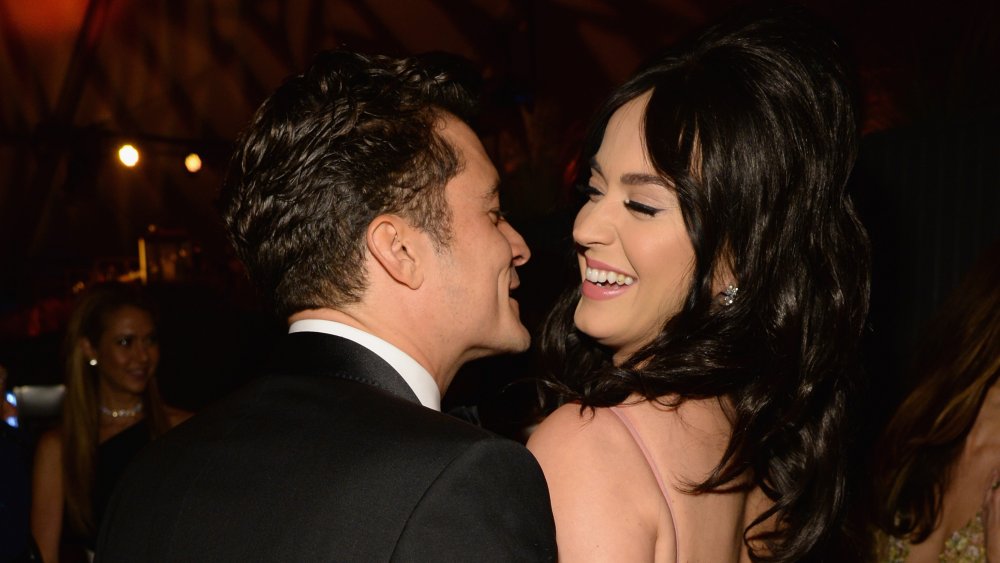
(319, 354)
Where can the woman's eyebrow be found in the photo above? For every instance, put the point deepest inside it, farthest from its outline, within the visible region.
(639, 179)
(634, 178)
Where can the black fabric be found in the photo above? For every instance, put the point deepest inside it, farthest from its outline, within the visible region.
(15, 496)
(113, 456)
(319, 354)
(329, 458)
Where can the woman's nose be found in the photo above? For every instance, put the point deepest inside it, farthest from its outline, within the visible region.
(593, 224)
(142, 351)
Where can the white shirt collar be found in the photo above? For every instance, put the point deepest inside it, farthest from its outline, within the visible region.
(414, 374)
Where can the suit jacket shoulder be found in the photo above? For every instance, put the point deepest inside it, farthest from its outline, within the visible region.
(314, 466)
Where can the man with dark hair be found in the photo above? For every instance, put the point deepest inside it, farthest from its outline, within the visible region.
(367, 210)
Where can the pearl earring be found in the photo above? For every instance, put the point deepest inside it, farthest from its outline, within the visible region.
(92, 362)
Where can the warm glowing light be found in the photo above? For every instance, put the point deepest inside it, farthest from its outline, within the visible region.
(47, 20)
(129, 155)
(192, 162)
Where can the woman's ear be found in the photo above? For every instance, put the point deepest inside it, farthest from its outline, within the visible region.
(724, 282)
(89, 352)
(394, 244)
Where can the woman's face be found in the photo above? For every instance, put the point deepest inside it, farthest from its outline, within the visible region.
(127, 352)
(636, 258)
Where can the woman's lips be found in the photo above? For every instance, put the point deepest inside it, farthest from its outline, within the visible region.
(606, 290)
(140, 375)
(591, 263)
(601, 292)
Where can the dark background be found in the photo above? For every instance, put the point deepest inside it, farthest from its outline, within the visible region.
(79, 77)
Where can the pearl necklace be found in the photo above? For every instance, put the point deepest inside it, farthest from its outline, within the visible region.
(122, 413)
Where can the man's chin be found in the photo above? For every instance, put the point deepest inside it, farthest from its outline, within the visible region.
(520, 341)
(511, 340)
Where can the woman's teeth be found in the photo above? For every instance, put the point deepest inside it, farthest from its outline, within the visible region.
(603, 276)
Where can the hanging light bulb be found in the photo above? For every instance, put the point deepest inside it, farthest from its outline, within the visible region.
(192, 162)
(128, 155)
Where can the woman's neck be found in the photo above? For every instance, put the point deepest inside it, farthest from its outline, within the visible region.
(985, 430)
(117, 400)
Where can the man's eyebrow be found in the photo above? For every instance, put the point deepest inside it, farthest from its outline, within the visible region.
(493, 192)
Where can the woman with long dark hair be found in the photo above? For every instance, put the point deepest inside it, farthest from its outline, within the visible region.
(708, 356)
(938, 459)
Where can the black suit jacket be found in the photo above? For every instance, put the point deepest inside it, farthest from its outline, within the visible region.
(329, 458)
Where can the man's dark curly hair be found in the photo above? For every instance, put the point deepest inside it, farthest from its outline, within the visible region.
(353, 137)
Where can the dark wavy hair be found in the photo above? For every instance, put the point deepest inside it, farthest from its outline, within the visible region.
(956, 365)
(351, 138)
(754, 123)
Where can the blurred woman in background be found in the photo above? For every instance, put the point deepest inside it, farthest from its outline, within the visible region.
(937, 462)
(112, 408)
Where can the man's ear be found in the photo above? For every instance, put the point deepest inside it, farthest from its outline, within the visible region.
(396, 246)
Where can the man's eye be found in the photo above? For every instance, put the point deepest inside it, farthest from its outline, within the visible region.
(125, 341)
(498, 216)
(641, 208)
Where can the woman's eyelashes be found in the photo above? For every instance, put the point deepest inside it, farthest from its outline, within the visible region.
(588, 191)
(128, 340)
(592, 193)
(641, 208)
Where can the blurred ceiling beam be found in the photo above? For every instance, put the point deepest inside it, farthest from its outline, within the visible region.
(27, 215)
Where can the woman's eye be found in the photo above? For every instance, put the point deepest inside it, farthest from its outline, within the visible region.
(641, 208)
(588, 191)
(125, 341)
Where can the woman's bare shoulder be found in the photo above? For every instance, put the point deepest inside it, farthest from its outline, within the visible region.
(50, 442)
(604, 498)
(571, 428)
(49, 451)
(175, 415)
(585, 448)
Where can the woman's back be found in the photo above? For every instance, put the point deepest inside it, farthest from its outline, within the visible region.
(602, 468)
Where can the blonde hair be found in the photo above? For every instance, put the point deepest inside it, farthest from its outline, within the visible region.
(81, 416)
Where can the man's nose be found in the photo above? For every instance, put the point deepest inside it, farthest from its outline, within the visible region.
(518, 247)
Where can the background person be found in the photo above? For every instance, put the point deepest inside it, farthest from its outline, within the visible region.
(112, 408)
(937, 462)
(15, 486)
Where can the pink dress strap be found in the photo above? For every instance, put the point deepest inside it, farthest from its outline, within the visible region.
(656, 473)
